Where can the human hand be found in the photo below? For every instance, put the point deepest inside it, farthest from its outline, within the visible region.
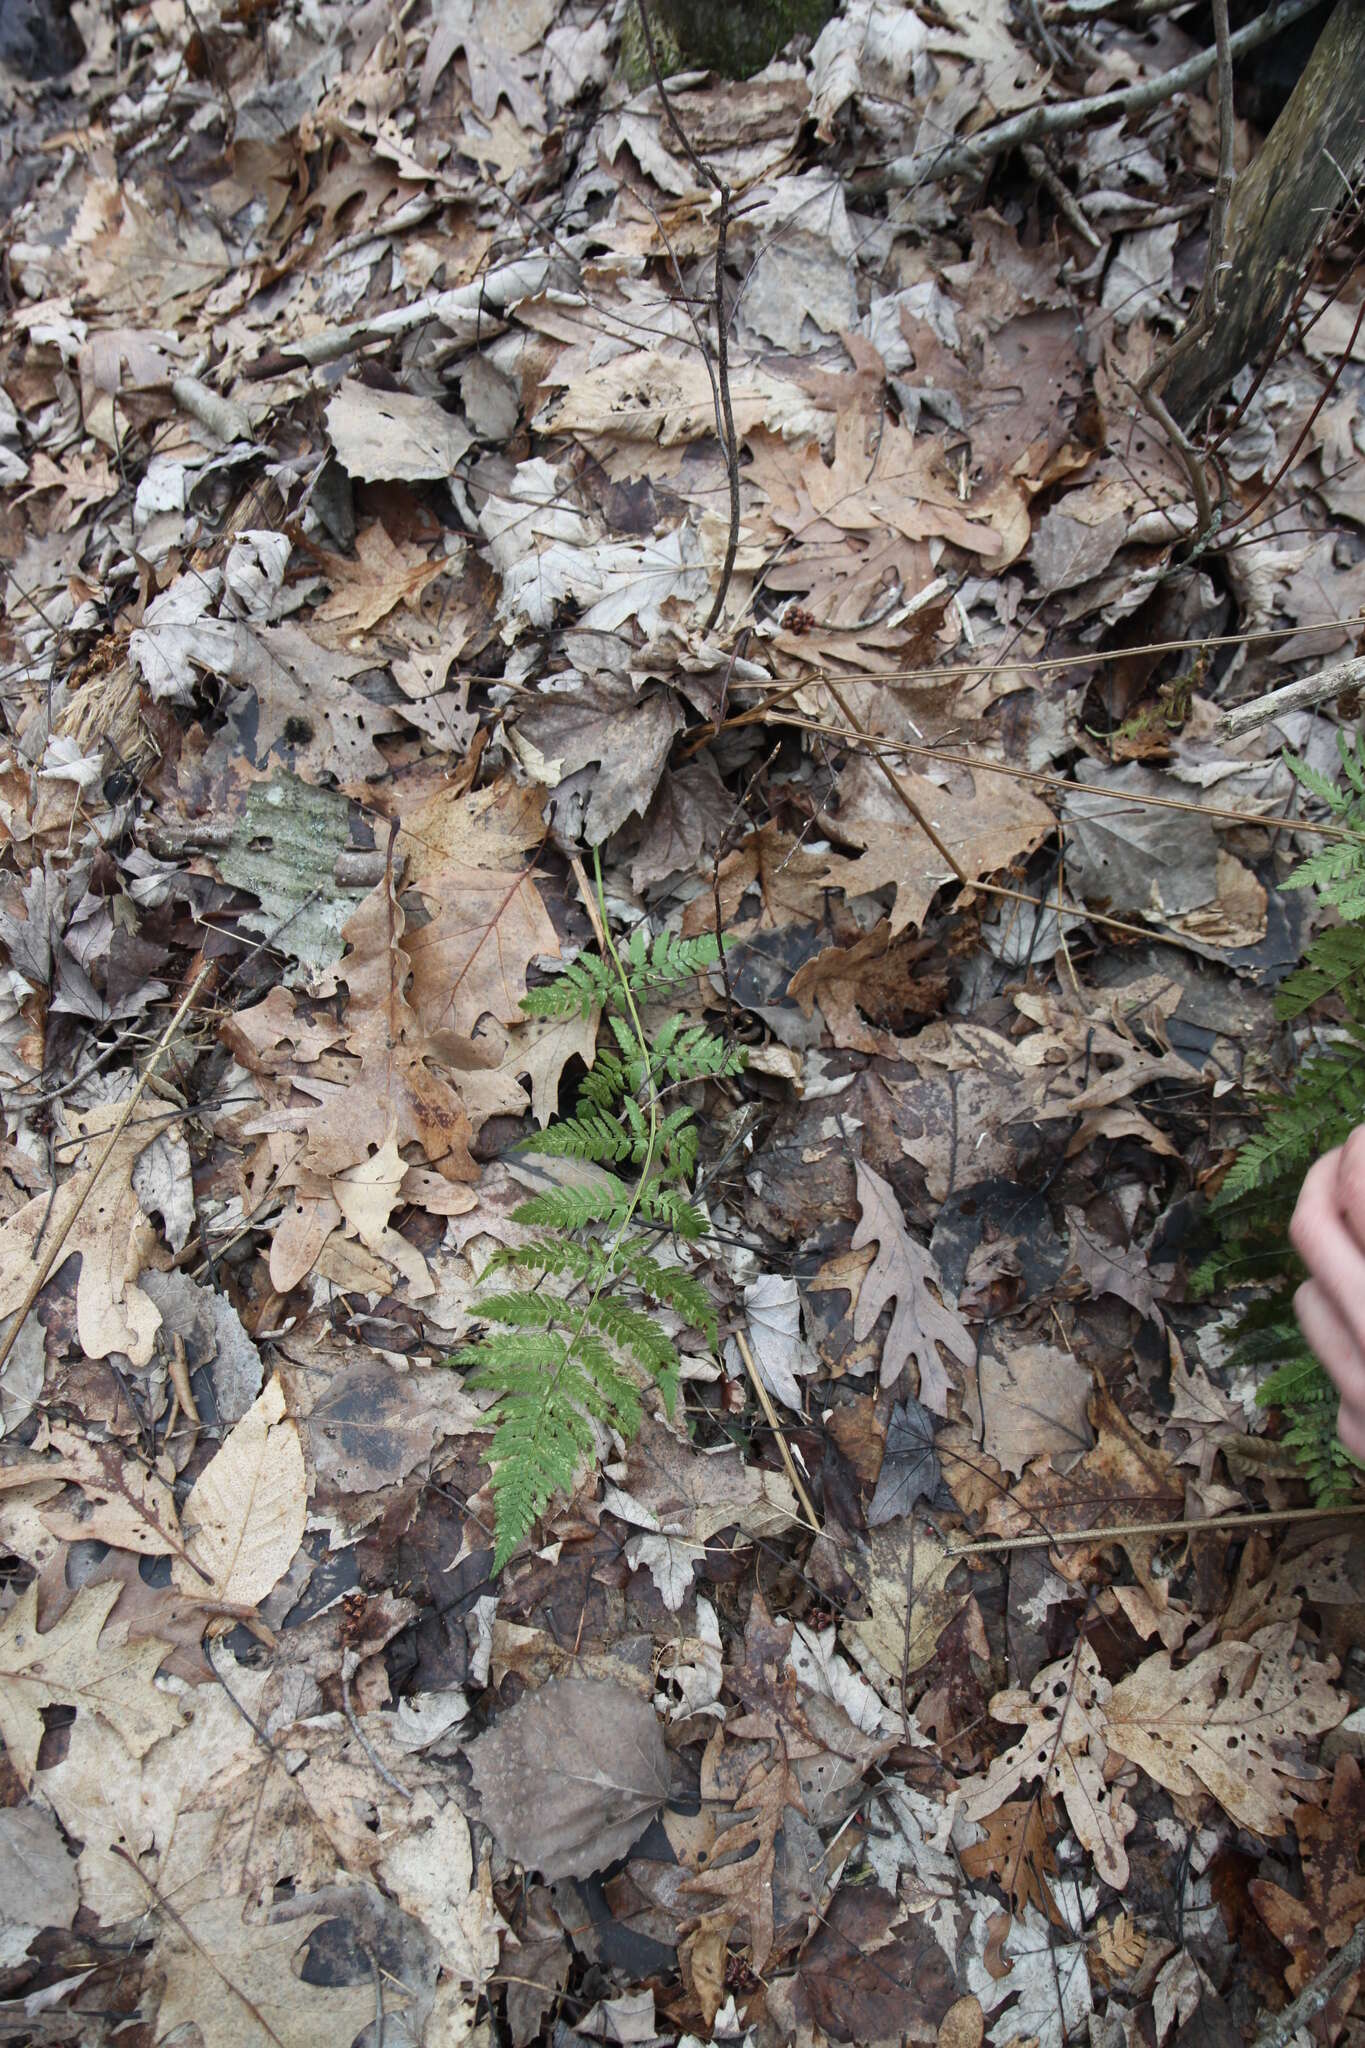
(1328, 1233)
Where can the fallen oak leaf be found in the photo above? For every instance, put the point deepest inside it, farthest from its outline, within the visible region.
(99, 1211)
(1226, 1722)
(73, 1664)
(904, 1272)
(1064, 1744)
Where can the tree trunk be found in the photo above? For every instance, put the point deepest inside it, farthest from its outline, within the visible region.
(1279, 207)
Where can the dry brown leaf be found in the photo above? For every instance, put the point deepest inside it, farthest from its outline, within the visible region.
(380, 578)
(1232, 1723)
(904, 1272)
(1123, 1479)
(984, 830)
(245, 1515)
(1029, 1404)
(905, 1585)
(236, 1981)
(872, 978)
(1120, 1945)
(1016, 1852)
(110, 1233)
(72, 1664)
(123, 1503)
(571, 1775)
(1333, 1901)
(739, 1873)
(963, 2025)
(470, 961)
(1064, 1745)
(650, 397)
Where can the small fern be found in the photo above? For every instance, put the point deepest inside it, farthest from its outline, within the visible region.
(1324, 1103)
(562, 1357)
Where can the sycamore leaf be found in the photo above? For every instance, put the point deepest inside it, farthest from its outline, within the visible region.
(245, 1515)
(1232, 1723)
(902, 1272)
(1063, 1744)
(73, 1665)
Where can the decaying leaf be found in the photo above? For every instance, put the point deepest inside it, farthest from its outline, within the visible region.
(1063, 1745)
(571, 1775)
(73, 1664)
(1231, 1723)
(904, 1272)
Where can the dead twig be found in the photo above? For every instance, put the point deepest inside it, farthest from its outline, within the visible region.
(775, 1426)
(709, 175)
(1309, 690)
(1065, 116)
(1115, 1532)
(1317, 1993)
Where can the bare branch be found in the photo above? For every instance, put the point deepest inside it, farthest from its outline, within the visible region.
(1064, 116)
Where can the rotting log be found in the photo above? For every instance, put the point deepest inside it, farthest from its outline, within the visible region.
(1307, 167)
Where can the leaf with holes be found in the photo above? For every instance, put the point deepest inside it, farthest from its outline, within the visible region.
(1233, 1722)
(73, 1664)
(1064, 1744)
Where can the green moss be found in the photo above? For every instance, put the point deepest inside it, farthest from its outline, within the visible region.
(733, 37)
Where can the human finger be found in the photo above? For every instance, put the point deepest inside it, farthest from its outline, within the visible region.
(1319, 1235)
(1330, 1337)
(1349, 1191)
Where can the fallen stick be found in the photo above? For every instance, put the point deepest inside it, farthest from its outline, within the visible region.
(1315, 1995)
(928, 167)
(1309, 690)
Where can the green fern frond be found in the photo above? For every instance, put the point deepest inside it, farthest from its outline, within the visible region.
(564, 1357)
(1324, 1102)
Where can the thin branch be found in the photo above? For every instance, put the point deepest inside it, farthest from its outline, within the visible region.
(1065, 116)
(709, 176)
(776, 1427)
(1317, 1993)
(1117, 1531)
(1309, 690)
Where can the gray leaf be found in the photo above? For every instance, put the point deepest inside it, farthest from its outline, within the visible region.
(572, 1775)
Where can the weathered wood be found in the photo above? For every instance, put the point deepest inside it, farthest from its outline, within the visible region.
(1279, 207)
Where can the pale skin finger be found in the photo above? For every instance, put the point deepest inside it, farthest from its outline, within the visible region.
(1350, 1184)
(1333, 1342)
(1319, 1235)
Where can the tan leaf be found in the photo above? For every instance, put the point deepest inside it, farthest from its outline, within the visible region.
(124, 1503)
(237, 1982)
(874, 977)
(470, 961)
(73, 1665)
(647, 396)
(1028, 1404)
(393, 434)
(963, 2025)
(382, 576)
(1063, 1745)
(905, 1585)
(245, 1515)
(1016, 1852)
(904, 1272)
(110, 1233)
(984, 830)
(1227, 1723)
(367, 1194)
(740, 1872)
